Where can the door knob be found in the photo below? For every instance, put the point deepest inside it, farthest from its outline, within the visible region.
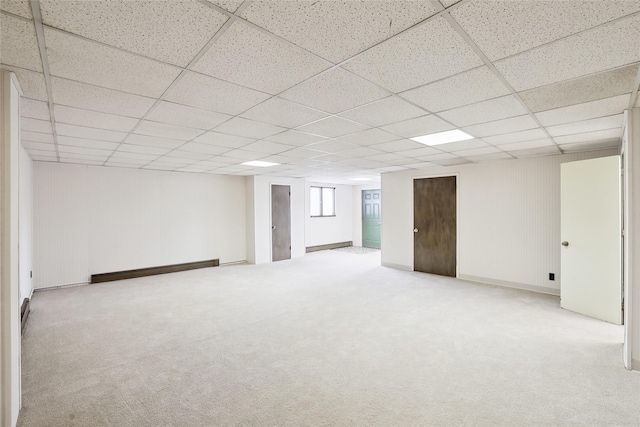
(415, 230)
(273, 227)
(565, 243)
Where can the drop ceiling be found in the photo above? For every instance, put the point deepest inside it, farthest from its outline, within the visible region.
(330, 90)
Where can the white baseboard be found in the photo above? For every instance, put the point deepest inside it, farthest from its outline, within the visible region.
(397, 266)
(635, 365)
(533, 288)
(71, 285)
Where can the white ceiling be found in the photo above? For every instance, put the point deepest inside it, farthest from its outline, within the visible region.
(331, 90)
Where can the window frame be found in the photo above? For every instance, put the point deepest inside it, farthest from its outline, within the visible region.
(322, 215)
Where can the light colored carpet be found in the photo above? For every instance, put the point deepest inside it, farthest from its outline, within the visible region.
(358, 250)
(325, 340)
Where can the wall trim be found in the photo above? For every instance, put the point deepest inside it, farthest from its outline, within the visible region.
(507, 284)
(152, 271)
(329, 246)
(397, 266)
(635, 365)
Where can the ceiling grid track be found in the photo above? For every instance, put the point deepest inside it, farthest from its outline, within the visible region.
(634, 94)
(37, 21)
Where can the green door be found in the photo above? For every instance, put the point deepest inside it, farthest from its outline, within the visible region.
(371, 218)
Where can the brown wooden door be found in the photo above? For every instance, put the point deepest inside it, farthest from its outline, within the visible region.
(280, 222)
(434, 219)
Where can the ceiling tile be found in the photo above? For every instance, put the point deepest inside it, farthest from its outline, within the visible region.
(32, 83)
(503, 28)
(438, 156)
(498, 127)
(596, 50)
(34, 109)
(230, 5)
(85, 96)
(38, 146)
(170, 31)
(600, 135)
(87, 143)
(89, 133)
(447, 3)
(369, 137)
(192, 155)
(527, 145)
(36, 137)
(419, 126)
(84, 150)
(400, 145)
(248, 128)
(388, 110)
(486, 111)
(424, 152)
(223, 140)
(331, 146)
(462, 89)
(251, 58)
(477, 151)
(419, 56)
(361, 152)
(452, 162)
(454, 147)
(89, 62)
(335, 91)
(182, 115)
(336, 30)
(389, 157)
(76, 116)
(35, 125)
(588, 110)
(17, 7)
(153, 141)
(164, 130)
(267, 147)
(601, 123)
(590, 145)
(525, 135)
(584, 89)
(19, 43)
(333, 127)
(213, 94)
(302, 153)
(489, 157)
(294, 137)
(142, 149)
(243, 155)
(283, 113)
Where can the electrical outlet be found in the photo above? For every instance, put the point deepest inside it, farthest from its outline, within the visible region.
(552, 276)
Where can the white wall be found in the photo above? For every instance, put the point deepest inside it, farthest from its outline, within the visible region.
(25, 238)
(335, 229)
(262, 224)
(357, 210)
(508, 220)
(251, 220)
(90, 220)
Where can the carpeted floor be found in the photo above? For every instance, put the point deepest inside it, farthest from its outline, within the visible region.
(358, 250)
(325, 340)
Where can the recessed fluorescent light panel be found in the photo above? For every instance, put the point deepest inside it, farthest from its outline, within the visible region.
(259, 163)
(442, 137)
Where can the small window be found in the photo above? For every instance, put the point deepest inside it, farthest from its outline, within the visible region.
(323, 201)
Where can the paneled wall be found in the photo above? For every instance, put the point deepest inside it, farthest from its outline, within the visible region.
(508, 220)
(91, 220)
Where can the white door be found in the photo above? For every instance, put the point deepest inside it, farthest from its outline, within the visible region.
(591, 238)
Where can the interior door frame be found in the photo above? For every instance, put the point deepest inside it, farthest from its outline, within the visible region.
(440, 175)
(271, 184)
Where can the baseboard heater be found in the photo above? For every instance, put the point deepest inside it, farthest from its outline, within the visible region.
(329, 246)
(152, 271)
(25, 309)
